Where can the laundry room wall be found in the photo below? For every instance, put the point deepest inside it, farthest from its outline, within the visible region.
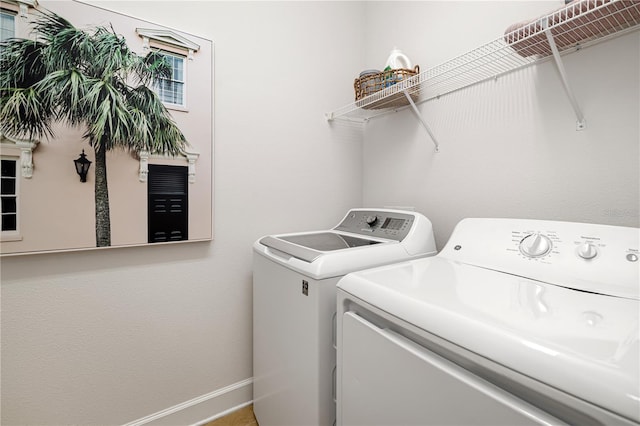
(112, 336)
(509, 146)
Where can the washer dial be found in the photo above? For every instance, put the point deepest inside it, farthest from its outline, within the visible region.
(535, 245)
(371, 220)
(587, 250)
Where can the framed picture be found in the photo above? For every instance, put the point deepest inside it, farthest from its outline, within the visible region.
(89, 183)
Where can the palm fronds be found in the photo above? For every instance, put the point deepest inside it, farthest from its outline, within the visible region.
(84, 78)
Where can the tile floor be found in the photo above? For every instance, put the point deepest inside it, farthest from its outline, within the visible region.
(242, 417)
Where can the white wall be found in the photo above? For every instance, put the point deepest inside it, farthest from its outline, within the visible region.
(108, 337)
(509, 147)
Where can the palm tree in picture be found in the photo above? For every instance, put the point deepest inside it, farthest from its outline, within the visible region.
(91, 79)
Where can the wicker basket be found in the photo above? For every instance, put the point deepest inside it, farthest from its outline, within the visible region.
(373, 82)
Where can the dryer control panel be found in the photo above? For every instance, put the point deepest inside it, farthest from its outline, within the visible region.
(589, 257)
(388, 224)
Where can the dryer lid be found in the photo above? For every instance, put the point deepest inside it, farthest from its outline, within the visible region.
(584, 344)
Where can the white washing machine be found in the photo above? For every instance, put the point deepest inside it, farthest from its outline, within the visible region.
(514, 322)
(294, 307)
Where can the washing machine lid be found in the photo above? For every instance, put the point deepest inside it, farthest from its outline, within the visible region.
(309, 247)
(341, 253)
(328, 241)
(585, 344)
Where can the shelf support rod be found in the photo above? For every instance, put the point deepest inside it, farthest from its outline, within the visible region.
(580, 124)
(424, 123)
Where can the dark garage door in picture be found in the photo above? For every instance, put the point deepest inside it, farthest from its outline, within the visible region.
(168, 198)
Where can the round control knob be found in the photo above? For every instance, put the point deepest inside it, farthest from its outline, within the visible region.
(535, 245)
(587, 251)
(371, 220)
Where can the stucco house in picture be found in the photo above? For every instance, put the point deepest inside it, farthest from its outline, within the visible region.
(53, 186)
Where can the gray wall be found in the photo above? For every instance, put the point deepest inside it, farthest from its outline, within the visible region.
(107, 337)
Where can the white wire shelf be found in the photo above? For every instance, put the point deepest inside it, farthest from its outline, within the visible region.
(576, 25)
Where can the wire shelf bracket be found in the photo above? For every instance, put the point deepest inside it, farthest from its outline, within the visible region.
(581, 124)
(422, 121)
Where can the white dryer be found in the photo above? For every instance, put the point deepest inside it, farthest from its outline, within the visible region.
(515, 322)
(294, 307)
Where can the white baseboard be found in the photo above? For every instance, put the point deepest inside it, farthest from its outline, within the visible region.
(202, 409)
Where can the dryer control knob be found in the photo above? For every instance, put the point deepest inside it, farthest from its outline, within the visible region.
(587, 251)
(535, 245)
(371, 220)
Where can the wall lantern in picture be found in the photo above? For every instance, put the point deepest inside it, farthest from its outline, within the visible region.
(82, 166)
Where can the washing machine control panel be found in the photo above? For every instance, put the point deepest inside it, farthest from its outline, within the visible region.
(588, 257)
(387, 224)
(536, 245)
